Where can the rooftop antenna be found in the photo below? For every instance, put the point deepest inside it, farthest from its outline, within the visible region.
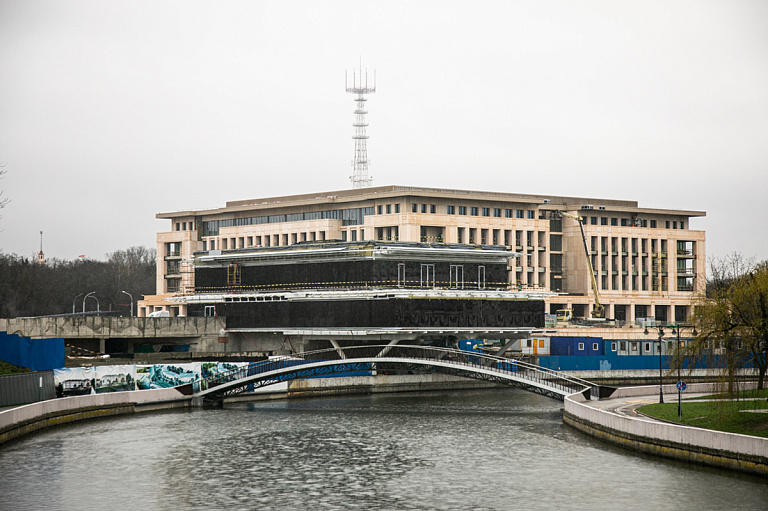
(359, 177)
(40, 255)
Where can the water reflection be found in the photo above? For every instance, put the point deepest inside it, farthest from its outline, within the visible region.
(493, 449)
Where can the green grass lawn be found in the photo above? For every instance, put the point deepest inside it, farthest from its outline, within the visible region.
(6, 368)
(723, 414)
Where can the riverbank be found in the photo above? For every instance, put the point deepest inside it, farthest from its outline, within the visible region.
(23, 420)
(615, 421)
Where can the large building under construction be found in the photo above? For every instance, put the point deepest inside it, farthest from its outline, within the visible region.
(647, 262)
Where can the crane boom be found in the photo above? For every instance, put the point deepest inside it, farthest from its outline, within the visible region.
(598, 310)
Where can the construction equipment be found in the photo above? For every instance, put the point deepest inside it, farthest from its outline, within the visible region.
(598, 309)
(564, 315)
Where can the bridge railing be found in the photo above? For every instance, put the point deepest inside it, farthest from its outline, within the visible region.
(454, 358)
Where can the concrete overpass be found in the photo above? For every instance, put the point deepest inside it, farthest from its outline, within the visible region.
(113, 334)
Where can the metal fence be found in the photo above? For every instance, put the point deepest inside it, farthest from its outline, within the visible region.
(20, 389)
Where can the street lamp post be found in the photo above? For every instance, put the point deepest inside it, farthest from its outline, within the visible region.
(98, 305)
(73, 302)
(661, 385)
(131, 297)
(677, 328)
(85, 298)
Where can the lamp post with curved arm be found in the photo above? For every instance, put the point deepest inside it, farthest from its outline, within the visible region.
(131, 297)
(97, 301)
(73, 302)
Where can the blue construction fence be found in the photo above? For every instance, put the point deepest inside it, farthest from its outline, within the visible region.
(34, 354)
(617, 363)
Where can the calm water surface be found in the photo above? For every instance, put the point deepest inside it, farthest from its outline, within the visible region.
(490, 449)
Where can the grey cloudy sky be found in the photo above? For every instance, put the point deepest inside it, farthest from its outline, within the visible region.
(111, 112)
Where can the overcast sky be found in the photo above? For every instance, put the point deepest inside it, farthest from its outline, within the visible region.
(111, 112)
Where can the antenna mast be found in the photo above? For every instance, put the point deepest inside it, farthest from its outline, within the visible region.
(40, 255)
(359, 177)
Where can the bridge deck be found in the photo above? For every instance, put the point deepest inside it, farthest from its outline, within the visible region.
(391, 358)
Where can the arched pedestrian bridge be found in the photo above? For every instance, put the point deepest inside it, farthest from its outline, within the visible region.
(389, 359)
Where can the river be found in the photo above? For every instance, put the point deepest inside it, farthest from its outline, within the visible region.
(482, 449)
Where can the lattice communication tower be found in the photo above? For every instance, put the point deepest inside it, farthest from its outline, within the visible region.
(359, 177)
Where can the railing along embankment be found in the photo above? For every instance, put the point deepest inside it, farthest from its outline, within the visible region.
(23, 420)
(685, 443)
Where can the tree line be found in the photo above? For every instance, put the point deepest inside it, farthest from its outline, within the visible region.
(58, 287)
(732, 317)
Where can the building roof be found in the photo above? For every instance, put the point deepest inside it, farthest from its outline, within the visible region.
(343, 197)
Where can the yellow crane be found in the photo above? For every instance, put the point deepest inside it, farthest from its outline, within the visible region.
(598, 309)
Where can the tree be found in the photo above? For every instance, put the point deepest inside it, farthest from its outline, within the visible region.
(733, 316)
(3, 200)
(31, 289)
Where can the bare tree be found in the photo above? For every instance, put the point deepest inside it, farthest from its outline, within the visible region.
(733, 317)
(3, 200)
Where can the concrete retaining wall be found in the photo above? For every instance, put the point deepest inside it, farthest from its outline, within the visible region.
(702, 446)
(23, 420)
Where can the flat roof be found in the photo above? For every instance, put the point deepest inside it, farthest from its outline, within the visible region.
(343, 197)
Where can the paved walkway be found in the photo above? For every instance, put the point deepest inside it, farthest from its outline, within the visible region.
(628, 405)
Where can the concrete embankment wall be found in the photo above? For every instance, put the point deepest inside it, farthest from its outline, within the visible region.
(23, 420)
(702, 446)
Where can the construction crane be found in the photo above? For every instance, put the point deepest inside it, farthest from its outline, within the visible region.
(598, 309)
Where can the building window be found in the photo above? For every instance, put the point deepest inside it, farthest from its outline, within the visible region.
(462, 210)
(593, 220)
(486, 211)
(473, 211)
(507, 213)
(178, 227)
(423, 208)
(378, 210)
(460, 235)
(397, 208)
(624, 222)
(389, 208)
(614, 221)
(519, 213)
(653, 224)
(581, 346)
(531, 215)
(456, 276)
(343, 235)
(415, 208)
(595, 346)
(432, 208)
(667, 224)
(497, 212)
(603, 220)
(427, 275)
(451, 210)
(354, 235)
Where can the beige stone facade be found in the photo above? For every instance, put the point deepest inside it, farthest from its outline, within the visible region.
(647, 261)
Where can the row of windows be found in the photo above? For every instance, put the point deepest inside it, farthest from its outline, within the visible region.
(380, 209)
(353, 216)
(634, 222)
(474, 211)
